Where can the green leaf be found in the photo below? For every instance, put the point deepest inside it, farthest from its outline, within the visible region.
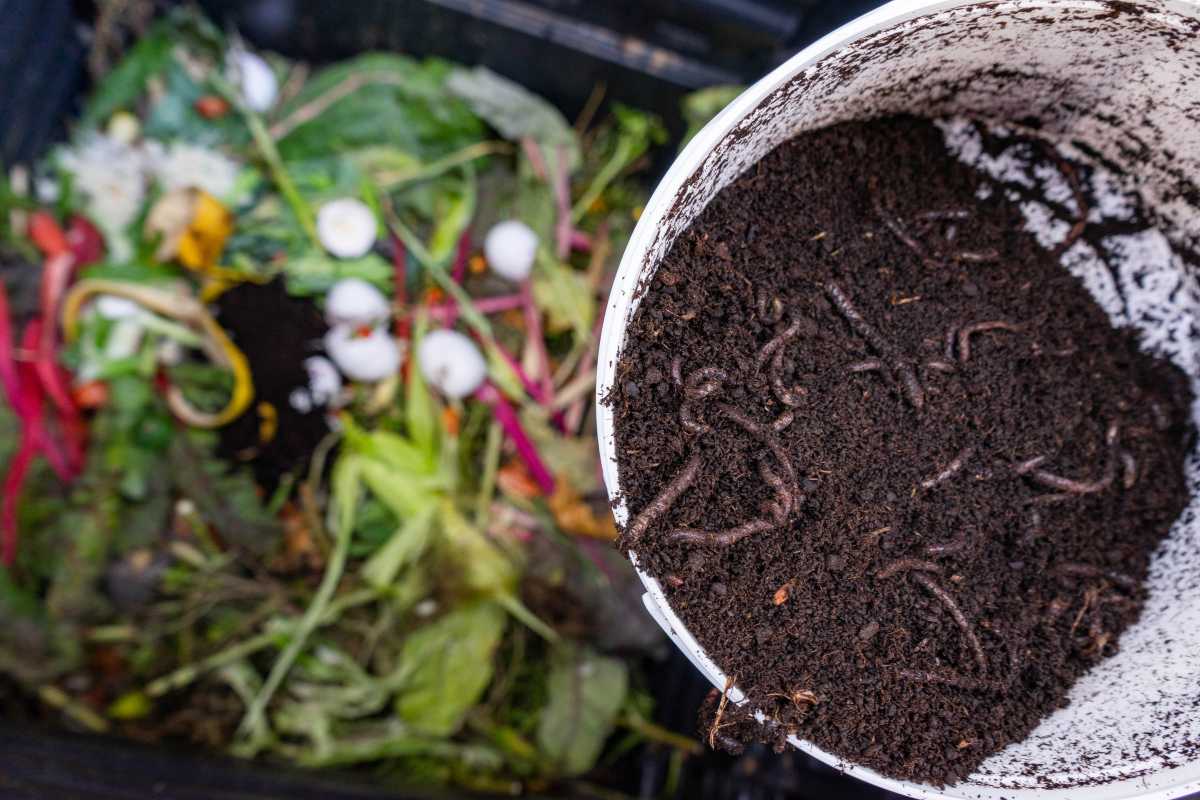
(404, 497)
(419, 412)
(514, 111)
(124, 85)
(572, 456)
(450, 665)
(405, 547)
(586, 690)
(453, 220)
(379, 99)
(313, 272)
(483, 566)
(564, 295)
(701, 106)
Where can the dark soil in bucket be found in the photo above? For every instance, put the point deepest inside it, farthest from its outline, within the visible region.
(890, 461)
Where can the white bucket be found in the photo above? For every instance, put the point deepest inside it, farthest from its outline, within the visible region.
(1123, 77)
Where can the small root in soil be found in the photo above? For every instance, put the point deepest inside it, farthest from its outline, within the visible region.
(968, 631)
(952, 469)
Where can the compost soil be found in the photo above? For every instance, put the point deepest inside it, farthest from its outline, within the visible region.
(890, 461)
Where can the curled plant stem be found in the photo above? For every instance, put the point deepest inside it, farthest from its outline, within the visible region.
(722, 538)
(952, 469)
(964, 335)
(947, 600)
(907, 565)
(666, 498)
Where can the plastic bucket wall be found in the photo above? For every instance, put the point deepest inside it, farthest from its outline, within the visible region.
(1123, 77)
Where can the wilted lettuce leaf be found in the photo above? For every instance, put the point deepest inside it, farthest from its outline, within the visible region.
(384, 100)
(514, 111)
(586, 690)
(450, 664)
(564, 295)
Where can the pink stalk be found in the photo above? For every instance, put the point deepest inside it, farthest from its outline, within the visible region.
(8, 364)
(459, 270)
(507, 417)
(536, 161)
(56, 274)
(447, 313)
(580, 241)
(562, 201)
(527, 383)
(537, 341)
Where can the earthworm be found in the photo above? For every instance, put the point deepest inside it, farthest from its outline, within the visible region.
(949, 213)
(768, 349)
(964, 335)
(934, 588)
(1129, 465)
(952, 679)
(783, 420)
(1076, 569)
(1029, 464)
(906, 565)
(1081, 205)
(870, 365)
(788, 395)
(723, 538)
(661, 504)
(863, 328)
(978, 257)
(951, 338)
(908, 378)
(763, 433)
(952, 469)
(913, 390)
(940, 366)
(690, 421)
(1072, 486)
(782, 509)
(765, 301)
(948, 548)
(897, 228)
(677, 370)
(704, 382)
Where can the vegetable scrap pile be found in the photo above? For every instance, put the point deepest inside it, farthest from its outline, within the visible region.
(892, 463)
(298, 451)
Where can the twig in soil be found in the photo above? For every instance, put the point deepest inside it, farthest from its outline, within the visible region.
(948, 548)
(1089, 597)
(870, 365)
(722, 538)
(952, 469)
(935, 589)
(716, 723)
(964, 335)
(661, 504)
(768, 350)
(952, 679)
(1075, 569)
(1129, 470)
(907, 565)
